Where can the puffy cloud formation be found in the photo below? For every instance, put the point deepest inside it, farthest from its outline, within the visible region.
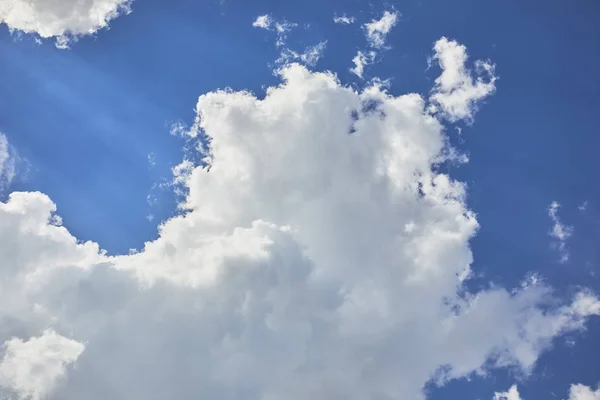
(377, 30)
(31, 368)
(321, 256)
(64, 20)
(456, 91)
(582, 392)
(559, 232)
(512, 394)
(7, 163)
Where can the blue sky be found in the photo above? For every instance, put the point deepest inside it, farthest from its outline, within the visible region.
(91, 123)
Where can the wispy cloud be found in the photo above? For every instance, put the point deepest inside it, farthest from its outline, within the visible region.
(559, 232)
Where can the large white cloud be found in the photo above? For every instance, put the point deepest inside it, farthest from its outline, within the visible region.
(64, 20)
(320, 256)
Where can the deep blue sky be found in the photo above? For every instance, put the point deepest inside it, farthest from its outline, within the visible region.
(86, 120)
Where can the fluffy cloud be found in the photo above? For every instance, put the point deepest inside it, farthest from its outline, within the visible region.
(321, 255)
(581, 392)
(456, 91)
(512, 394)
(559, 232)
(64, 20)
(31, 368)
(377, 30)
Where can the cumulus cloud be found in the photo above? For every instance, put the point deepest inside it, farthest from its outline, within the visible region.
(360, 61)
(30, 369)
(559, 232)
(280, 27)
(456, 91)
(512, 394)
(582, 392)
(377, 30)
(321, 255)
(343, 19)
(63, 20)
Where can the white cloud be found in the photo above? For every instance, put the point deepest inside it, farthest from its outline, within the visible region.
(310, 56)
(583, 206)
(63, 20)
(343, 19)
(456, 92)
(31, 368)
(280, 27)
(512, 394)
(7, 163)
(377, 30)
(311, 264)
(360, 61)
(582, 392)
(560, 232)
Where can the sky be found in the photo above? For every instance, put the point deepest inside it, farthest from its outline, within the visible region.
(303, 200)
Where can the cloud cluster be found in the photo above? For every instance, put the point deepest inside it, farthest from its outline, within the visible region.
(559, 232)
(576, 392)
(63, 20)
(322, 255)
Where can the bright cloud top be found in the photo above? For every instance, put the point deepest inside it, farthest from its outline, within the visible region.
(322, 255)
(377, 30)
(512, 394)
(64, 20)
(559, 232)
(582, 392)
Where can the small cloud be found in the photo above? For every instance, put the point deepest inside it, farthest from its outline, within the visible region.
(361, 60)
(583, 206)
(560, 232)
(457, 90)
(343, 19)
(310, 56)
(151, 159)
(377, 30)
(262, 21)
(280, 27)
